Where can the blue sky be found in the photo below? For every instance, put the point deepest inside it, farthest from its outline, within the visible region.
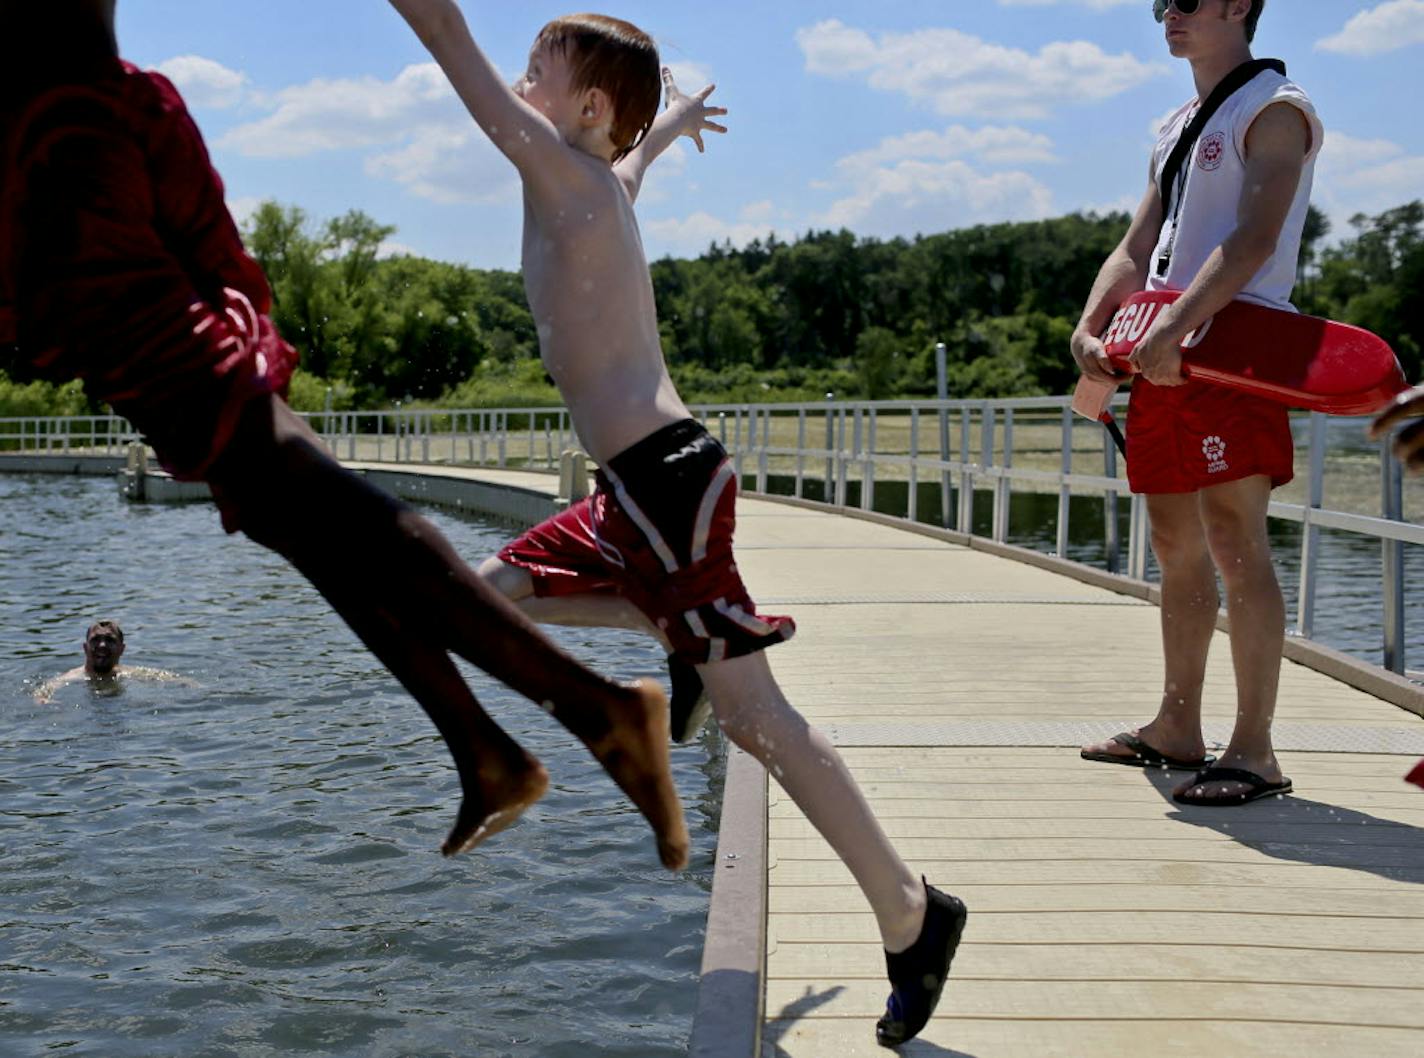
(889, 118)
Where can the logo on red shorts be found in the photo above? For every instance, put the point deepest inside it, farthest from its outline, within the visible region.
(1213, 149)
(1214, 448)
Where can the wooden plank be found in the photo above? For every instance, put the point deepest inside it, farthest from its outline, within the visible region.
(1118, 868)
(1220, 963)
(1062, 1037)
(1400, 903)
(1027, 999)
(1306, 932)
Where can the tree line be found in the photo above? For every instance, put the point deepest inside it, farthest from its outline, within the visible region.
(774, 320)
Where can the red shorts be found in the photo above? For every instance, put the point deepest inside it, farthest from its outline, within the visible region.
(658, 531)
(1186, 438)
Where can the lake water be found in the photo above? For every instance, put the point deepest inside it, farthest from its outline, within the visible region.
(250, 867)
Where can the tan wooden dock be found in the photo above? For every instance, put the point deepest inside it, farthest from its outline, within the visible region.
(1104, 919)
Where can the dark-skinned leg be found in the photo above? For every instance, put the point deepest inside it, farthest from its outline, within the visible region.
(498, 779)
(289, 495)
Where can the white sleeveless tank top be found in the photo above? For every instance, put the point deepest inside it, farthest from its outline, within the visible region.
(1214, 176)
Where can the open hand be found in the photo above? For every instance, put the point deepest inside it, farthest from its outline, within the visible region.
(691, 111)
(1409, 445)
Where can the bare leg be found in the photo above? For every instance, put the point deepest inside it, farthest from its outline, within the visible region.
(755, 714)
(586, 610)
(1235, 519)
(290, 496)
(1188, 615)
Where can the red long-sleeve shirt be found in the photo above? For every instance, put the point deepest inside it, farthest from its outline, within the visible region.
(120, 264)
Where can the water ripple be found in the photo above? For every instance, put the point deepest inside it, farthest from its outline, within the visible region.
(249, 868)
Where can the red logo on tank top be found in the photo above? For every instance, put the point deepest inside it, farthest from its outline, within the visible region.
(1213, 149)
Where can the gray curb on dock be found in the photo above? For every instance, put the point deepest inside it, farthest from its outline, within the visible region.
(731, 994)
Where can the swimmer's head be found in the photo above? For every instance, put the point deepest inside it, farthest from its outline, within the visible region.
(613, 72)
(103, 646)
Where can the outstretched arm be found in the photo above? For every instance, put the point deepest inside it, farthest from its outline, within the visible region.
(683, 115)
(526, 137)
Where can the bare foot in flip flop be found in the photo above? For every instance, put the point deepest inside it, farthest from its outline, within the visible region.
(1236, 781)
(1134, 749)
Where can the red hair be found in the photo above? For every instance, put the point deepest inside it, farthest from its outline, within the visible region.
(617, 58)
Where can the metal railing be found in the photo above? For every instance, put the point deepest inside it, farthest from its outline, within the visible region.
(974, 451)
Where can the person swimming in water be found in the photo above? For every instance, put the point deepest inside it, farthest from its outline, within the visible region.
(103, 647)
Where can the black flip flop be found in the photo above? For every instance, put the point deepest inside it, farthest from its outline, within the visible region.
(1145, 756)
(1259, 788)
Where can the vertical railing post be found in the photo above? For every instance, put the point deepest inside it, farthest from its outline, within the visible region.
(987, 422)
(867, 474)
(800, 448)
(1111, 535)
(763, 454)
(1065, 491)
(912, 498)
(1392, 560)
(1309, 531)
(964, 521)
(841, 485)
(1139, 533)
(857, 442)
(1006, 485)
(829, 496)
(942, 393)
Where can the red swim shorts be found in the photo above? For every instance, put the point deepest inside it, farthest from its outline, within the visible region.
(1186, 438)
(658, 531)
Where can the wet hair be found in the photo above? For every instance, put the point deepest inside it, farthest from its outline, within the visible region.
(619, 59)
(112, 627)
(1254, 16)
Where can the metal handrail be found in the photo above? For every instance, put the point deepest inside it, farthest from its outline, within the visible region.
(768, 438)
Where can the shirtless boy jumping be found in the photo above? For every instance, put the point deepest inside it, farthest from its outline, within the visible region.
(652, 548)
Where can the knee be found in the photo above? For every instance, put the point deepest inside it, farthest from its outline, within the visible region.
(1237, 549)
(1177, 548)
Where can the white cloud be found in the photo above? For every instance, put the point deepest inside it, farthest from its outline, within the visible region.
(243, 207)
(690, 76)
(920, 197)
(958, 74)
(1391, 25)
(994, 144)
(691, 235)
(1092, 5)
(323, 115)
(423, 138)
(1357, 175)
(204, 82)
(449, 165)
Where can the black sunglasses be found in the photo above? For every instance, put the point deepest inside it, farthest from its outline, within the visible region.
(1184, 7)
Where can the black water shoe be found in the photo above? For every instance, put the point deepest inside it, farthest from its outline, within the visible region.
(918, 974)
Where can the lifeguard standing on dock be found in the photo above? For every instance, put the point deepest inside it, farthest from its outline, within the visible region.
(1228, 191)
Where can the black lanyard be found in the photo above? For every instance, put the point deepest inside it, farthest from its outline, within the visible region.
(1172, 186)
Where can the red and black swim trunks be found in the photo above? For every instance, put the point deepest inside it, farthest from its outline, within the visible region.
(658, 531)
